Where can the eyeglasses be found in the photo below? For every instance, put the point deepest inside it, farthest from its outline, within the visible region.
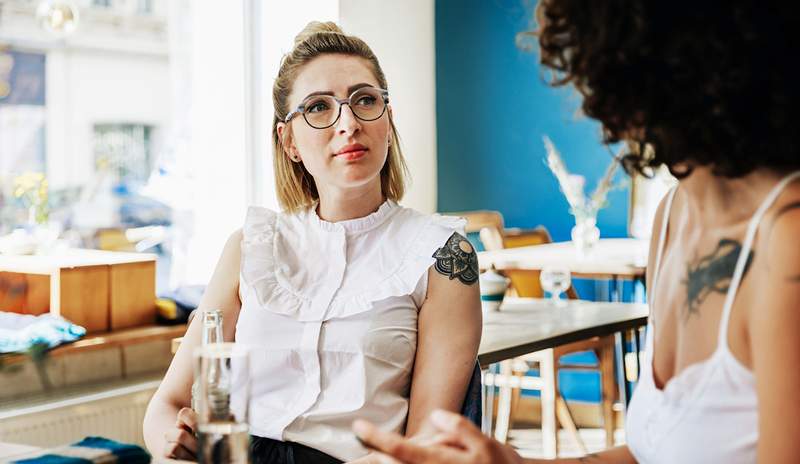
(322, 111)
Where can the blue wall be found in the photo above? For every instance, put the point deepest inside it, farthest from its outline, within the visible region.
(493, 108)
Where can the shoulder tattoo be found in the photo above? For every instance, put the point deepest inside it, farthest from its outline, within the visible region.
(712, 274)
(457, 259)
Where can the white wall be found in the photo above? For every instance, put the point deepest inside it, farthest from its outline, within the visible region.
(402, 35)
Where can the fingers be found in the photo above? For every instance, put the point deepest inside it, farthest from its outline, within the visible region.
(375, 457)
(389, 443)
(181, 444)
(455, 424)
(187, 418)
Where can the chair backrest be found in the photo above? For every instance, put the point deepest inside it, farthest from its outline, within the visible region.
(526, 282)
(487, 224)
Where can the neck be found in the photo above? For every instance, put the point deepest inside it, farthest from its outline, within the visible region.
(341, 205)
(715, 201)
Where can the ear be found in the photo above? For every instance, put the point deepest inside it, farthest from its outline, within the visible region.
(287, 142)
(389, 110)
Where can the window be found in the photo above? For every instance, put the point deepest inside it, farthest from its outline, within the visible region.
(144, 6)
(123, 150)
(22, 126)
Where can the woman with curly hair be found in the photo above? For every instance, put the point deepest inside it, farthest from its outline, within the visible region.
(709, 91)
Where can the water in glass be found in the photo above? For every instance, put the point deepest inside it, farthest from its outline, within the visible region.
(555, 280)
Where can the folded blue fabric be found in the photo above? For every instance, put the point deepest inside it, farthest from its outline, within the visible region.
(19, 332)
(91, 450)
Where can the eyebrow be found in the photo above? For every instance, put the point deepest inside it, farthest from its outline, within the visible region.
(350, 90)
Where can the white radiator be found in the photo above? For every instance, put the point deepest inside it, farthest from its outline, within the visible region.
(116, 414)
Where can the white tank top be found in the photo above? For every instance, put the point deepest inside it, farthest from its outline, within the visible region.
(708, 412)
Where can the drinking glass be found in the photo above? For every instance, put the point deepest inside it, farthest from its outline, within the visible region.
(222, 373)
(555, 280)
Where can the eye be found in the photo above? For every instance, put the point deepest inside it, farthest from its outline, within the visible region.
(366, 100)
(317, 106)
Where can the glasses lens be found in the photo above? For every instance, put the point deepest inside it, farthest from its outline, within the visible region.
(367, 103)
(321, 111)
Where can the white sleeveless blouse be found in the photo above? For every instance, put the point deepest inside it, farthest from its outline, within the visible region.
(329, 311)
(708, 412)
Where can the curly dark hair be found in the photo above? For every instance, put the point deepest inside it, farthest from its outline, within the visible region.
(685, 83)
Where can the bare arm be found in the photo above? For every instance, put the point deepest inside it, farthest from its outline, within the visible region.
(455, 440)
(775, 345)
(449, 331)
(161, 434)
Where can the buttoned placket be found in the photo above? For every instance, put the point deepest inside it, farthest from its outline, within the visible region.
(312, 329)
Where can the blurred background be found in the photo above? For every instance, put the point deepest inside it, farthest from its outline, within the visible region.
(144, 126)
(157, 113)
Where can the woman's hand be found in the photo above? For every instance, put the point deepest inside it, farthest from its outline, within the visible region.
(181, 442)
(456, 440)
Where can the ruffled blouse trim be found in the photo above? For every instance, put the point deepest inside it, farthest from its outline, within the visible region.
(404, 278)
(261, 270)
(351, 226)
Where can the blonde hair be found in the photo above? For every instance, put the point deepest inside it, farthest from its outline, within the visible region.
(295, 186)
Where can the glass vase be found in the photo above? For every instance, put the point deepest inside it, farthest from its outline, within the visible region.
(585, 234)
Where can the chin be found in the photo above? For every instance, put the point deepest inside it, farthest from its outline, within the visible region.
(359, 177)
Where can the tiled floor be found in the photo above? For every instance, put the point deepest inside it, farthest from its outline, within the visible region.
(529, 441)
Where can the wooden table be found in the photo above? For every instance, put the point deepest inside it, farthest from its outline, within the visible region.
(527, 325)
(611, 258)
(99, 290)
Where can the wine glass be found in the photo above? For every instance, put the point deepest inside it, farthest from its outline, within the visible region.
(222, 373)
(555, 280)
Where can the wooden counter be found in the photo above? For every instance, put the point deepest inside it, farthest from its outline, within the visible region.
(99, 290)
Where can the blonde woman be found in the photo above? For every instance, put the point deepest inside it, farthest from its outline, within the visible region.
(355, 307)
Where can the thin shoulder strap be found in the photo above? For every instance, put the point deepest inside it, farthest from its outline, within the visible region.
(661, 240)
(741, 262)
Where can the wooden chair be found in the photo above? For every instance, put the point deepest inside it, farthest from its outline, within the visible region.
(489, 224)
(525, 283)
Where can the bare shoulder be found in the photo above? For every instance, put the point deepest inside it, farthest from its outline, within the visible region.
(780, 237)
(235, 239)
(655, 238)
(223, 288)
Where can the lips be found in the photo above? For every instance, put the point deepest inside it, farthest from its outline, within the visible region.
(352, 152)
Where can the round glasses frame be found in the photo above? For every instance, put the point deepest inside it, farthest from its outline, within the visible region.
(301, 108)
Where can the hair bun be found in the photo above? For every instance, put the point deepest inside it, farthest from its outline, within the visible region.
(314, 28)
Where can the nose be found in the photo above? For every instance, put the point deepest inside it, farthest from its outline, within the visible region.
(348, 123)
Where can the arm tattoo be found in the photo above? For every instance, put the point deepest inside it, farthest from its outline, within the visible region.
(712, 273)
(457, 259)
(790, 207)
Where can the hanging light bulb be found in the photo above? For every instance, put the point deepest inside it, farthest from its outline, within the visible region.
(58, 17)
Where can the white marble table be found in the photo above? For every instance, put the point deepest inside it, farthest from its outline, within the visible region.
(611, 258)
(525, 325)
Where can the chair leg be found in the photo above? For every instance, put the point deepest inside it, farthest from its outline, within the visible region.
(503, 404)
(549, 426)
(487, 400)
(605, 356)
(565, 419)
(516, 395)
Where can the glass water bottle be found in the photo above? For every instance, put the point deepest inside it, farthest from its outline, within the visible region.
(212, 333)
